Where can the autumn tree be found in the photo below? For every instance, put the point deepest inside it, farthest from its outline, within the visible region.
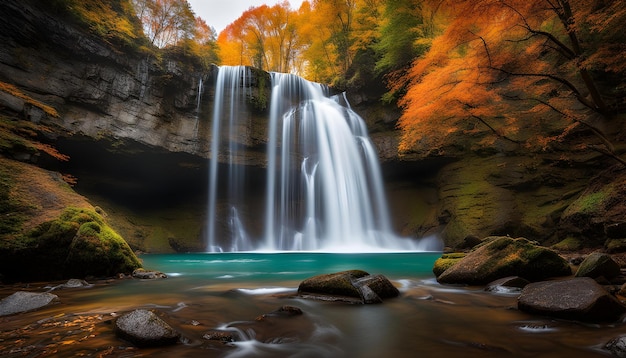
(330, 53)
(166, 22)
(264, 37)
(112, 20)
(233, 49)
(502, 65)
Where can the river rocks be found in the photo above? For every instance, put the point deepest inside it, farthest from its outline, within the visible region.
(617, 346)
(598, 212)
(144, 328)
(222, 336)
(142, 274)
(579, 298)
(598, 264)
(503, 256)
(72, 283)
(353, 286)
(23, 301)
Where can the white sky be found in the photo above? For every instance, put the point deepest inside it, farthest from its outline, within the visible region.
(220, 13)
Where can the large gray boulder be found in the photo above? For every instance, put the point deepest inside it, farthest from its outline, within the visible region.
(144, 328)
(503, 256)
(23, 301)
(598, 264)
(580, 298)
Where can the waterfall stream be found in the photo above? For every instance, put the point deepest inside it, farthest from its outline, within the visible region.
(323, 189)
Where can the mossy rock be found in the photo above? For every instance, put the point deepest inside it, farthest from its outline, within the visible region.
(77, 244)
(569, 244)
(598, 264)
(339, 284)
(500, 257)
(446, 261)
(615, 245)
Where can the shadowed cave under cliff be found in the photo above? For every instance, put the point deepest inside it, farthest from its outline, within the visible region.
(157, 200)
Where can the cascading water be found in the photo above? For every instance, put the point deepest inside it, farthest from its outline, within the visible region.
(323, 189)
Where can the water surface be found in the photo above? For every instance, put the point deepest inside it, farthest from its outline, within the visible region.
(232, 291)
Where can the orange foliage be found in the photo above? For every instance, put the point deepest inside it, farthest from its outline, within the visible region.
(264, 37)
(500, 62)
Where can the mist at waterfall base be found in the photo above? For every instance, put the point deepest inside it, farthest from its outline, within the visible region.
(323, 188)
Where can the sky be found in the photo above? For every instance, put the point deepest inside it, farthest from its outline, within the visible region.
(220, 13)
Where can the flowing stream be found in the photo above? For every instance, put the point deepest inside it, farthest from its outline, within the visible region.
(232, 291)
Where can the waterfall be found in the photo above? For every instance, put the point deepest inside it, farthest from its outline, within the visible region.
(231, 89)
(323, 187)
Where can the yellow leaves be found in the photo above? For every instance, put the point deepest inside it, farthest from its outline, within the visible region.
(105, 20)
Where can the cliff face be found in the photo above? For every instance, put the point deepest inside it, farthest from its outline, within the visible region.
(98, 90)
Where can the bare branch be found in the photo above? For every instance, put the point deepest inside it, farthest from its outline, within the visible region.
(498, 134)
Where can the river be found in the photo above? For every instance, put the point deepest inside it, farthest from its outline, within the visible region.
(230, 291)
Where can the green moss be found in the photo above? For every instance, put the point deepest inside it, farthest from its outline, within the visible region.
(11, 215)
(446, 261)
(591, 202)
(615, 245)
(77, 244)
(569, 244)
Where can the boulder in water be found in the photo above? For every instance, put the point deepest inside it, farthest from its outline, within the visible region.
(598, 264)
(353, 286)
(142, 274)
(446, 261)
(579, 298)
(502, 256)
(23, 301)
(145, 328)
(72, 283)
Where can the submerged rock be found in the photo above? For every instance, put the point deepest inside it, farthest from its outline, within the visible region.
(353, 286)
(580, 298)
(222, 336)
(503, 256)
(23, 301)
(598, 264)
(144, 328)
